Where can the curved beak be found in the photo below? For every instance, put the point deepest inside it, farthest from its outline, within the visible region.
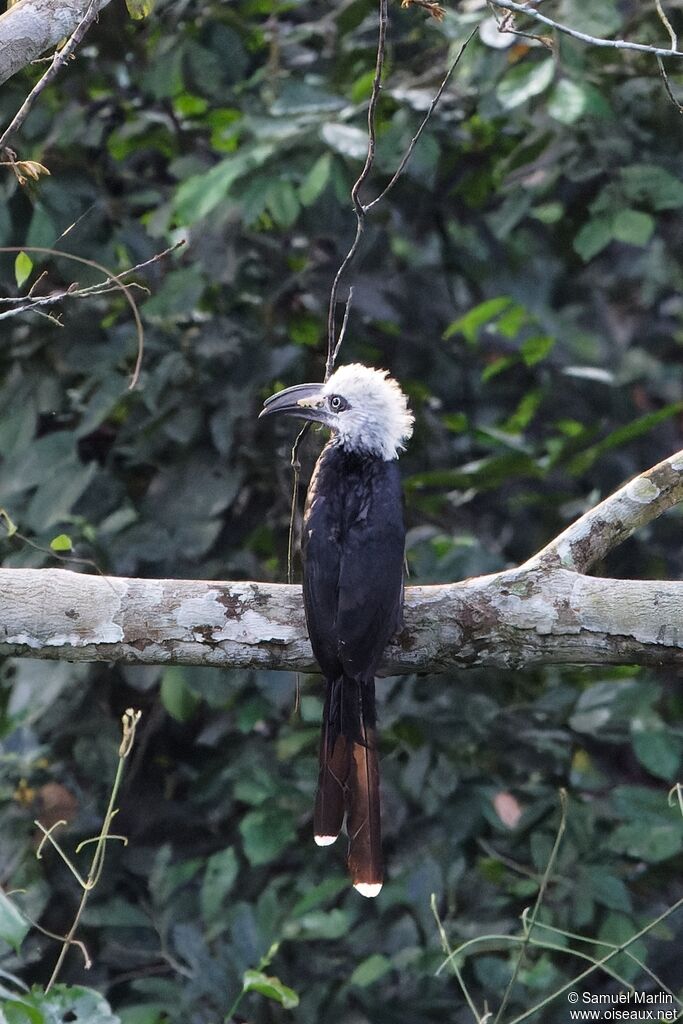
(303, 400)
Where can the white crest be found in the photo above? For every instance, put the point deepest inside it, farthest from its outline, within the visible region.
(377, 419)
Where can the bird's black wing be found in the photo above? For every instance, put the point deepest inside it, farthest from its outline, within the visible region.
(321, 555)
(370, 599)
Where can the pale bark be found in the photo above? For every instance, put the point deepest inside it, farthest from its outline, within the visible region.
(545, 611)
(31, 27)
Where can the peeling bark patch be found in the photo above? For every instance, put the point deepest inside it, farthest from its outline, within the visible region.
(254, 628)
(642, 490)
(204, 634)
(598, 536)
(231, 602)
(669, 635)
(209, 610)
(536, 612)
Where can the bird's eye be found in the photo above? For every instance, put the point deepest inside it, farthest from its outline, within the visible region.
(337, 403)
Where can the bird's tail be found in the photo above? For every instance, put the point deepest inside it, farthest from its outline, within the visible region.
(348, 780)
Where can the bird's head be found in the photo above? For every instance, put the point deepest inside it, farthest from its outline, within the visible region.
(363, 407)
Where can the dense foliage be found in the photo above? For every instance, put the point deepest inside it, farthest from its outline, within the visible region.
(523, 281)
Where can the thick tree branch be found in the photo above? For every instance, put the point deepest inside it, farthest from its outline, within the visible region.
(601, 529)
(545, 611)
(31, 27)
(516, 618)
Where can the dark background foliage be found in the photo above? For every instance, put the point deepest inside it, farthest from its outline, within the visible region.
(523, 282)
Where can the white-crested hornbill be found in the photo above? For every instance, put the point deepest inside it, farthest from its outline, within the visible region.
(353, 551)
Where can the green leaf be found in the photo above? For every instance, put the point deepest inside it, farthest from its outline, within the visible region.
(524, 413)
(499, 365)
(645, 806)
(593, 237)
(346, 140)
(548, 213)
(651, 843)
(633, 227)
(525, 81)
(321, 924)
(619, 929)
(623, 435)
(62, 542)
(176, 696)
(219, 878)
(648, 183)
(568, 101)
(456, 422)
(537, 348)
(272, 988)
(362, 87)
(75, 1003)
(19, 1011)
(469, 324)
(369, 970)
(8, 523)
(316, 180)
(23, 265)
(266, 833)
(660, 752)
(326, 890)
(198, 195)
(605, 888)
(282, 202)
(178, 296)
(144, 1013)
(607, 706)
(13, 925)
(601, 19)
(139, 9)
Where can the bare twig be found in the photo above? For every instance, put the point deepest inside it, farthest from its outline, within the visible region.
(129, 721)
(667, 86)
(345, 322)
(660, 63)
(32, 305)
(667, 24)
(425, 121)
(506, 24)
(112, 281)
(529, 924)
(613, 44)
(60, 58)
(359, 209)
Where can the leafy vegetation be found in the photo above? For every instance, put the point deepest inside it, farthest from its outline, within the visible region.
(523, 281)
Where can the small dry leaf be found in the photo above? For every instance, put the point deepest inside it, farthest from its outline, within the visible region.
(507, 808)
(435, 10)
(31, 168)
(24, 794)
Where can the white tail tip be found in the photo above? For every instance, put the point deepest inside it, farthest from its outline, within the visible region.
(368, 889)
(325, 840)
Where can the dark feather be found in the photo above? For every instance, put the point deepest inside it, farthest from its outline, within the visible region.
(353, 546)
(335, 752)
(363, 805)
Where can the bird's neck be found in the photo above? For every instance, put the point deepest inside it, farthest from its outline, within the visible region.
(363, 448)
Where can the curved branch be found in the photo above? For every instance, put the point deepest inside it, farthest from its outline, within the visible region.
(545, 611)
(31, 27)
(601, 529)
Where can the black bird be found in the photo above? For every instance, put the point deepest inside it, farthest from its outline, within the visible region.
(353, 550)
